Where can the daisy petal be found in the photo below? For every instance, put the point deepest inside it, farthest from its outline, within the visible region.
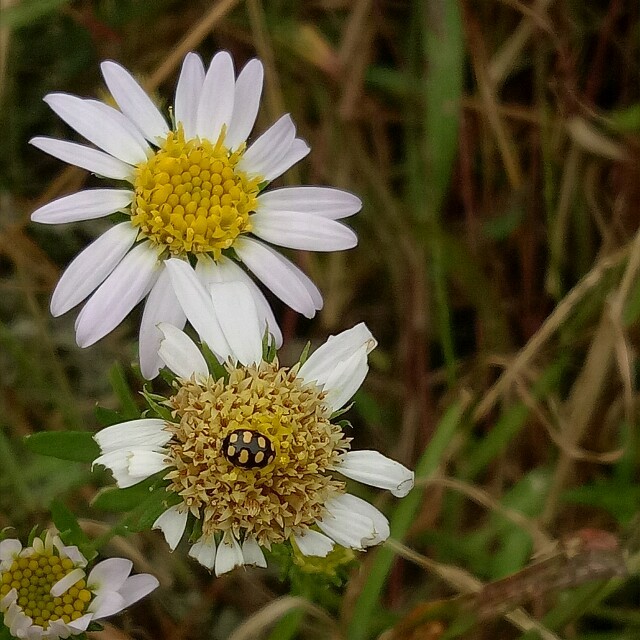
(346, 379)
(302, 231)
(109, 575)
(106, 604)
(323, 361)
(127, 284)
(172, 524)
(133, 465)
(274, 169)
(376, 470)
(229, 555)
(145, 432)
(98, 162)
(144, 463)
(134, 101)
(280, 275)
(252, 553)
(320, 201)
(9, 549)
(352, 530)
(161, 306)
(314, 543)
(84, 205)
(238, 318)
(137, 587)
(89, 268)
(180, 354)
(204, 551)
(93, 123)
(246, 103)
(269, 147)
(226, 270)
(80, 624)
(198, 306)
(215, 107)
(67, 582)
(357, 507)
(188, 93)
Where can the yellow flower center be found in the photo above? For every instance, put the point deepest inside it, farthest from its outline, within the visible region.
(190, 197)
(272, 502)
(33, 577)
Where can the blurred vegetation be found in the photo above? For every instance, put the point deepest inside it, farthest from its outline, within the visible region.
(495, 146)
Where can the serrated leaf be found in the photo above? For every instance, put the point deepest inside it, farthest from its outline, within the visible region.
(78, 446)
(117, 500)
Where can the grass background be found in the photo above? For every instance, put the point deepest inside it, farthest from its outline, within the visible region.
(495, 146)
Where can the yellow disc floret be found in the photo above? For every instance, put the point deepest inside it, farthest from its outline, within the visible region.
(272, 502)
(190, 196)
(33, 576)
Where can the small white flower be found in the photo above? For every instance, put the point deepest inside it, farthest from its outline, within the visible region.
(251, 454)
(194, 190)
(63, 600)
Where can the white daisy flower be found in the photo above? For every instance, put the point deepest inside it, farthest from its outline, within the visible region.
(46, 593)
(193, 189)
(253, 456)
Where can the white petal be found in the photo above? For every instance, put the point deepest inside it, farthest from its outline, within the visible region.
(90, 267)
(80, 624)
(319, 201)
(133, 465)
(274, 169)
(93, 123)
(302, 231)
(216, 100)
(172, 524)
(280, 275)
(354, 505)
(270, 147)
(198, 306)
(106, 604)
(323, 361)
(9, 549)
(204, 551)
(238, 318)
(84, 205)
(226, 270)
(188, 93)
(67, 582)
(97, 162)
(314, 543)
(134, 102)
(229, 555)
(349, 530)
(162, 306)
(376, 470)
(127, 284)
(109, 575)
(146, 432)
(252, 553)
(346, 379)
(246, 103)
(137, 587)
(122, 120)
(180, 354)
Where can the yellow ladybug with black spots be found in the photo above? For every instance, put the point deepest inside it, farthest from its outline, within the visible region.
(248, 449)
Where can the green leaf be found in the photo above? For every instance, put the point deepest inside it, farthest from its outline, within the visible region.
(70, 531)
(64, 445)
(154, 400)
(120, 500)
(121, 388)
(108, 417)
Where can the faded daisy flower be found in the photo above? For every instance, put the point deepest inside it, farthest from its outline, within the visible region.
(252, 457)
(195, 191)
(46, 593)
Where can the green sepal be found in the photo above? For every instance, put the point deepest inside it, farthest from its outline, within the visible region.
(304, 356)
(269, 351)
(340, 412)
(216, 369)
(78, 446)
(154, 400)
(118, 500)
(69, 529)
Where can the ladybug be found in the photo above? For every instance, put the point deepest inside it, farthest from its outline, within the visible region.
(248, 449)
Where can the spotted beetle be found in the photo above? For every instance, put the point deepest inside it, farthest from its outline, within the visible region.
(248, 449)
